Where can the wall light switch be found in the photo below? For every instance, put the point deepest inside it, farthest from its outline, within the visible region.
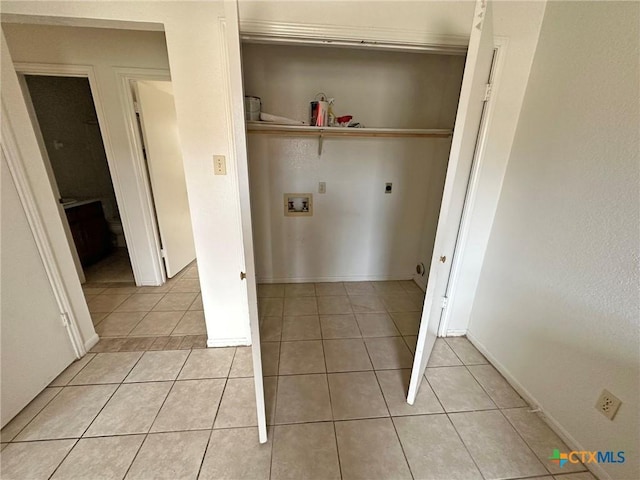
(219, 165)
(322, 187)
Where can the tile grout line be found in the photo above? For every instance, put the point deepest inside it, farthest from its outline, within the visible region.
(425, 379)
(82, 385)
(335, 436)
(454, 427)
(77, 440)
(110, 396)
(146, 435)
(465, 445)
(507, 418)
(504, 416)
(394, 425)
(531, 449)
(273, 442)
(179, 320)
(333, 416)
(206, 448)
(135, 455)
(277, 378)
(78, 372)
(34, 417)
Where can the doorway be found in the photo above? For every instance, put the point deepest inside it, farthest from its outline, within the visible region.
(338, 290)
(65, 117)
(70, 132)
(322, 302)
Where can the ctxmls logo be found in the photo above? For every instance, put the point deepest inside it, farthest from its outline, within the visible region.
(586, 457)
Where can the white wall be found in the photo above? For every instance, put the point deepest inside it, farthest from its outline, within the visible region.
(357, 232)
(424, 19)
(199, 49)
(50, 210)
(104, 49)
(65, 111)
(557, 304)
(194, 44)
(518, 25)
(379, 88)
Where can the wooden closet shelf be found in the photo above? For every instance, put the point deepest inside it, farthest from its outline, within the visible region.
(306, 130)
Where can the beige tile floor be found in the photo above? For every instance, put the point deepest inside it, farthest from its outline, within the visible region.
(114, 268)
(336, 360)
(130, 318)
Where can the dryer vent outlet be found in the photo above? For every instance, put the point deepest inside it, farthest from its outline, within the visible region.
(420, 269)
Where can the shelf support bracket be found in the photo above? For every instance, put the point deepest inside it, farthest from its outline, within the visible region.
(320, 139)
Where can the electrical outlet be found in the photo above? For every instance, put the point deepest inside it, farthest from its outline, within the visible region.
(219, 165)
(608, 404)
(322, 187)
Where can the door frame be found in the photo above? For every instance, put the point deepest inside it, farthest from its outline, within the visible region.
(398, 40)
(88, 72)
(305, 34)
(125, 77)
(462, 242)
(22, 80)
(29, 203)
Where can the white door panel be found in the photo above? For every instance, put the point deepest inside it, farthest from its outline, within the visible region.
(463, 145)
(34, 346)
(236, 107)
(166, 172)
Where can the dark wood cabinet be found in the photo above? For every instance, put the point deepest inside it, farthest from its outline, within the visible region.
(90, 231)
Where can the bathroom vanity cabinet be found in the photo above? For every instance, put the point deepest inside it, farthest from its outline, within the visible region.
(90, 231)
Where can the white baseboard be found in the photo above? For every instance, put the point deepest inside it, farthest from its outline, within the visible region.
(455, 333)
(553, 424)
(228, 342)
(89, 344)
(349, 278)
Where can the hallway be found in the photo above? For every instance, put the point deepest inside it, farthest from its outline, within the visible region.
(336, 360)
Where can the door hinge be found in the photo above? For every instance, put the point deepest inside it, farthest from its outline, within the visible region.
(445, 302)
(163, 253)
(65, 319)
(487, 92)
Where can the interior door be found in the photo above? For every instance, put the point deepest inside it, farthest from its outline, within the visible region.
(463, 146)
(166, 172)
(236, 111)
(34, 344)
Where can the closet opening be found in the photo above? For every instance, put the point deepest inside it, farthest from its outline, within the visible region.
(341, 285)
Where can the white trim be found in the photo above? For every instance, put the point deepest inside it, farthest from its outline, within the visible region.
(228, 342)
(236, 131)
(143, 183)
(528, 397)
(22, 80)
(346, 278)
(87, 71)
(234, 142)
(373, 37)
(15, 162)
(93, 340)
(455, 333)
(83, 22)
(501, 45)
